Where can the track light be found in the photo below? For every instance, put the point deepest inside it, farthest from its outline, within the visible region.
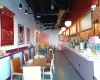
(26, 12)
(20, 6)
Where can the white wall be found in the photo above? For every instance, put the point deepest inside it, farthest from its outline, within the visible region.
(53, 37)
(22, 18)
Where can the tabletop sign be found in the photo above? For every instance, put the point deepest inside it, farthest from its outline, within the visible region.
(7, 28)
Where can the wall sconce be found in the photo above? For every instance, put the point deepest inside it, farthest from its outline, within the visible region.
(20, 6)
(68, 23)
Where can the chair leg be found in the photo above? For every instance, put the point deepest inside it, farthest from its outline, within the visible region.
(11, 77)
(51, 76)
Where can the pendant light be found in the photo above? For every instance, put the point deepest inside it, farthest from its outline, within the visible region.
(60, 32)
(20, 6)
(26, 12)
(63, 28)
(68, 23)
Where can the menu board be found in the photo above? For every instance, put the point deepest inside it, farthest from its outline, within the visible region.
(67, 32)
(86, 22)
(61, 37)
(7, 28)
(73, 29)
(78, 27)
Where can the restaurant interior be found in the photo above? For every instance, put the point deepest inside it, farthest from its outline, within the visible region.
(49, 39)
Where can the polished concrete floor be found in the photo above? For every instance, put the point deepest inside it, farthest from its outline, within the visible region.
(63, 68)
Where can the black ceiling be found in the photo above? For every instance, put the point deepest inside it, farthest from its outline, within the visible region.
(43, 12)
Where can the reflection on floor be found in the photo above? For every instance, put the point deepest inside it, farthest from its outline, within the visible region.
(63, 69)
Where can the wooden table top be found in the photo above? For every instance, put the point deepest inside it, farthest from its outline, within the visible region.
(37, 62)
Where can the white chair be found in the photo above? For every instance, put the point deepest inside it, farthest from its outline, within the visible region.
(32, 73)
(48, 71)
(36, 56)
(25, 57)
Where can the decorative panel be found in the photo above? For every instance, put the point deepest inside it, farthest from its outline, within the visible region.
(21, 36)
(86, 22)
(67, 32)
(73, 29)
(28, 35)
(7, 28)
(37, 37)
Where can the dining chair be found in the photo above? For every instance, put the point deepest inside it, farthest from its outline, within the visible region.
(25, 58)
(32, 73)
(48, 71)
(15, 68)
(51, 57)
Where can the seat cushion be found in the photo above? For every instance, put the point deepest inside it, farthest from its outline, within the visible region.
(20, 71)
(47, 70)
(49, 61)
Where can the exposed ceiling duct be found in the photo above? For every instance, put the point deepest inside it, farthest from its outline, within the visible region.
(49, 12)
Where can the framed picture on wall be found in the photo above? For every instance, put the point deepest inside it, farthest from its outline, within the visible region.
(21, 37)
(36, 37)
(28, 35)
(39, 37)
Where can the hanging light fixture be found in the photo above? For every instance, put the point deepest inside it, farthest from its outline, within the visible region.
(93, 7)
(20, 6)
(60, 32)
(68, 23)
(52, 7)
(26, 12)
(63, 28)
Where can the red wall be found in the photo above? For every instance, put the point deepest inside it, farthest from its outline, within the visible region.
(79, 8)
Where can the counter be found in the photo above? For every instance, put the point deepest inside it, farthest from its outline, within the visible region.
(87, 65)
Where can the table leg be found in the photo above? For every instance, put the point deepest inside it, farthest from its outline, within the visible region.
(43, 73)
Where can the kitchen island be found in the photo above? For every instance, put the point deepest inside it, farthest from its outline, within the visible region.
(87, 65)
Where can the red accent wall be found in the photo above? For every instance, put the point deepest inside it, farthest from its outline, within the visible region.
(79, 8)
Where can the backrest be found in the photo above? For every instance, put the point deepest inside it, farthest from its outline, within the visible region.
(15, 65)
(25, 58)
(32, 73)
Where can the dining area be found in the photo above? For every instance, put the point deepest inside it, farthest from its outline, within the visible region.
(39, 67)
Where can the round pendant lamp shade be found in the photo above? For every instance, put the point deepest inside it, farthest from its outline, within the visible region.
(60, 32)
(63, 28)
(68, 23)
